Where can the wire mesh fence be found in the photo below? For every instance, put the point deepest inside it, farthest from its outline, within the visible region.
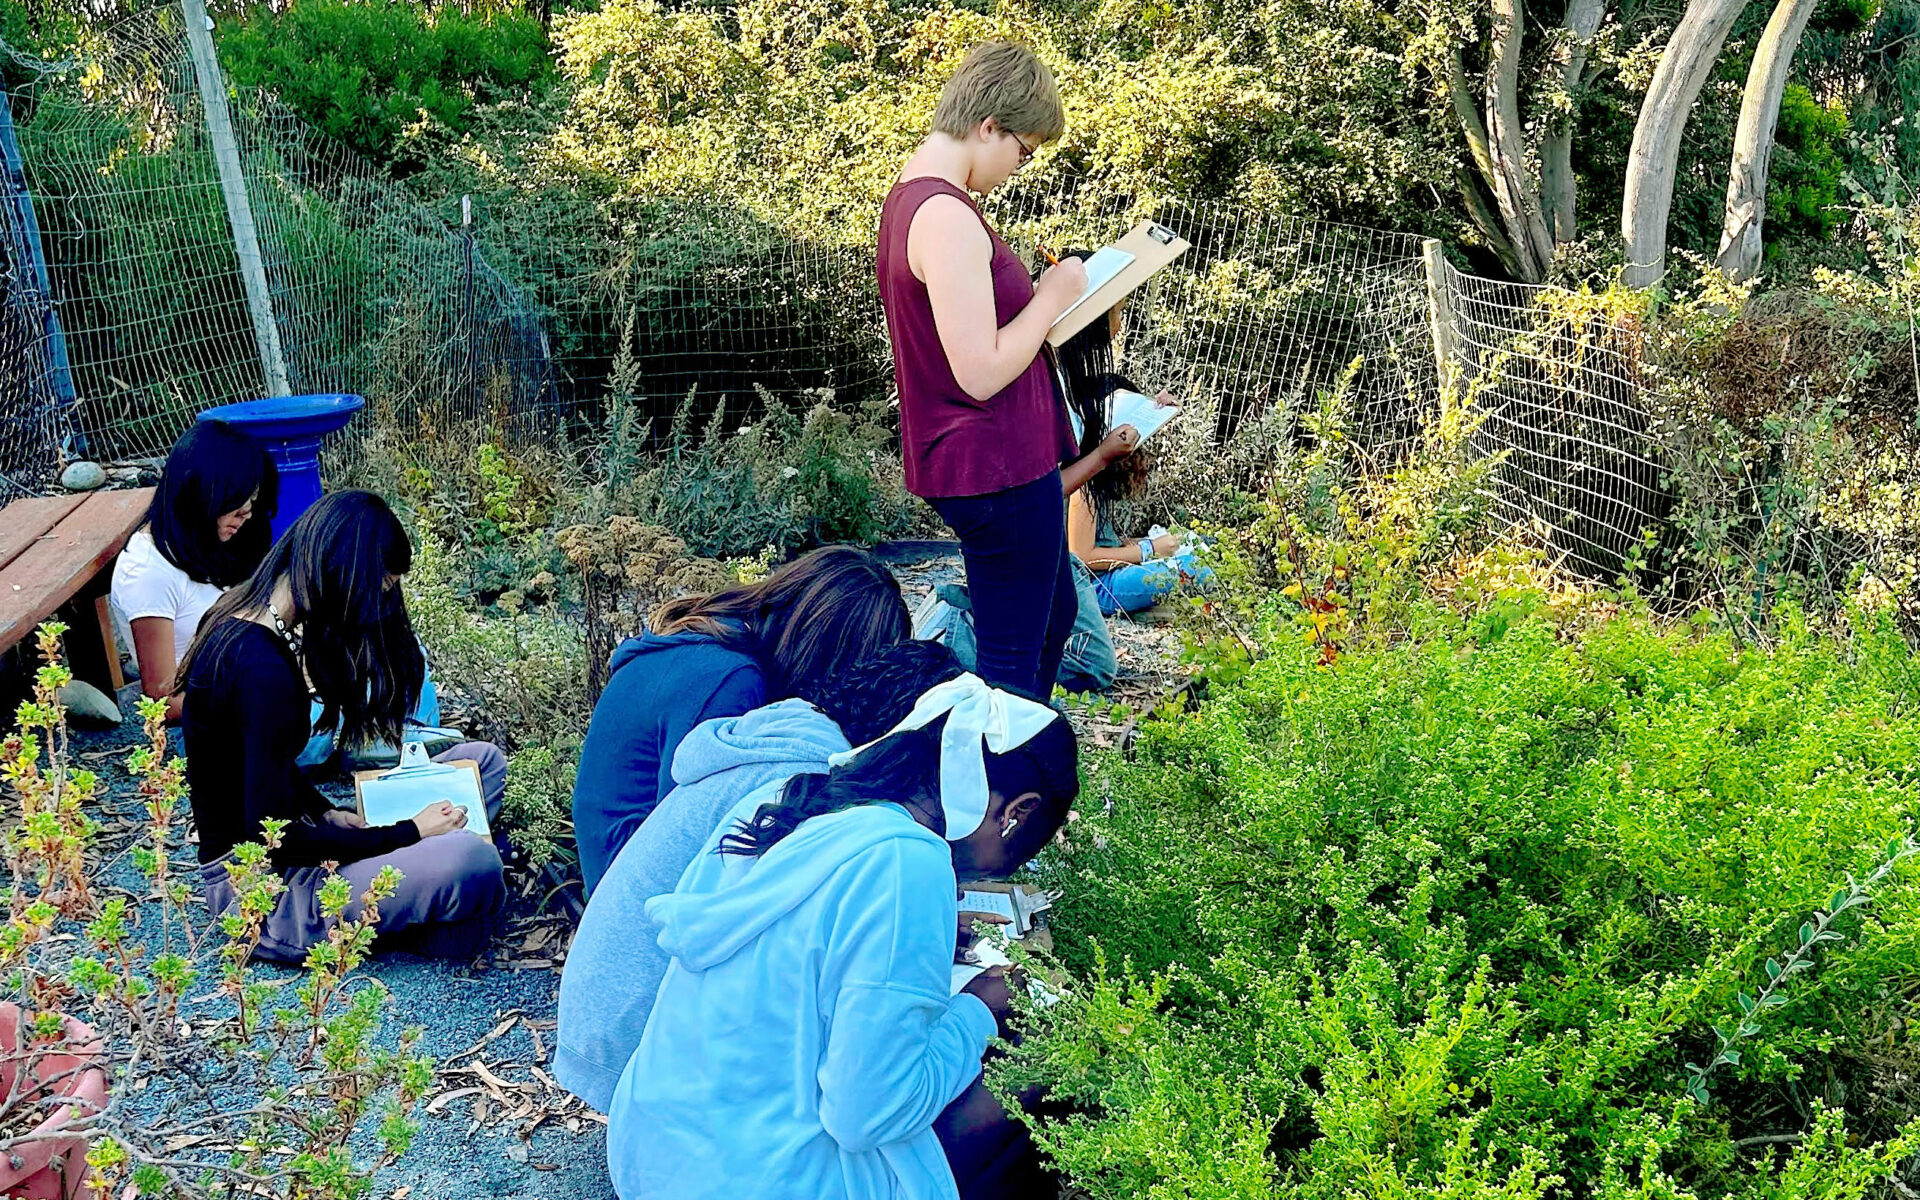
(510, 323)
(1264, 310)
(1561, 402)
(370, 292)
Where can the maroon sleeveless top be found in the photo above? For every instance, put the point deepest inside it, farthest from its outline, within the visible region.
(952, 444)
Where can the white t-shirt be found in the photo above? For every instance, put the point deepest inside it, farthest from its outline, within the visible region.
(145, 584)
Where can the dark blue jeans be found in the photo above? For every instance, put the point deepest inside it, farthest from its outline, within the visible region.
(1020, 579)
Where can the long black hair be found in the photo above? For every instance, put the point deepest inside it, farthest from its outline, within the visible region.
(1090, 375)
(878, 692)
(807, 623)
(343, 560)
(214, 469)
(904, 768)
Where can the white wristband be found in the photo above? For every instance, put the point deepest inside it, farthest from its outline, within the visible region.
(1146, 551)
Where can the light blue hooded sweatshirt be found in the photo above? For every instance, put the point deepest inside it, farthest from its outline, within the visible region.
(805, 1037)
(615, 965)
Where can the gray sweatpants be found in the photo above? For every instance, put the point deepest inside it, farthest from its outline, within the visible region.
(450, 885)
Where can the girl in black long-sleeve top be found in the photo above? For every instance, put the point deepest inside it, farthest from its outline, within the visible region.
(324, 618)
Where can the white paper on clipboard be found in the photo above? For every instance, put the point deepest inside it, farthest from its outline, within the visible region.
(1147, 416)
(390, 797)
(1102, 265)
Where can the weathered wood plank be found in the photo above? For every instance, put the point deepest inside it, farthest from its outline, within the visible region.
(58, 562)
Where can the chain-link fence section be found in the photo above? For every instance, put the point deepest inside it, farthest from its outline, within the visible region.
(369, 292)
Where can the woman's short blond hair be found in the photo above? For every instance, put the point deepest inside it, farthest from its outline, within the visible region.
(1005, 81)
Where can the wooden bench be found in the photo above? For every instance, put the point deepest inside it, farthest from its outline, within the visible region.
(51, 548)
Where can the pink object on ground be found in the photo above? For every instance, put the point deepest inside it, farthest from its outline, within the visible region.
(56, 1168)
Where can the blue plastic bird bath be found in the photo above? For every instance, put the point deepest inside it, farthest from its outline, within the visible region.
(291, 427)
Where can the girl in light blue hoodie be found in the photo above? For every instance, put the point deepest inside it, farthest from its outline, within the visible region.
(615, 964)
(805, 1039)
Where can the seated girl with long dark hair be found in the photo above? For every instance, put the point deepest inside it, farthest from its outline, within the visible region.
(720, 656)
(1128, 574)
(209, 526)
(323, 616)
(805, 1042)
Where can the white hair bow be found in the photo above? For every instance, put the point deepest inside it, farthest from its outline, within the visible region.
(979, 719)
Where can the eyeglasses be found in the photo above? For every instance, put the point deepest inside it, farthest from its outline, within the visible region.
(1026, 151)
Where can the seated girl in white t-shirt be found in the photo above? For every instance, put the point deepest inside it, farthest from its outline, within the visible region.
(210, 525)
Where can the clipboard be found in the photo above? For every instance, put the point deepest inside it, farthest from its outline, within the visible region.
(1017, 902)
(1153, 247)
(391, 796)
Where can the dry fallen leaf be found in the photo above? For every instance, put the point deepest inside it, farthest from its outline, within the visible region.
(445, 1098)
(495, 1084)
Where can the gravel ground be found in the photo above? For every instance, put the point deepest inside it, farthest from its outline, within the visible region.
(497, 1125)
(510, 1132)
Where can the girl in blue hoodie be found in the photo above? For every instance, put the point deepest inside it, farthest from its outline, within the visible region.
(720, 656)
(615, 963)
(805, 1041)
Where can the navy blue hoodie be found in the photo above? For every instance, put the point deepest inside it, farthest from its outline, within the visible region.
(661, 687)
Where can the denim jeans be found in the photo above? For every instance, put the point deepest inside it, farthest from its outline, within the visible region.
(1088, 664)
(1137, 587)
(1019, 579)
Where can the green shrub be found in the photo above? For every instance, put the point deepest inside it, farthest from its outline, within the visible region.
(1450, 918)
(799, 476)
(539, 800)
(1787, 430)
(1809, 160)
(366, 72)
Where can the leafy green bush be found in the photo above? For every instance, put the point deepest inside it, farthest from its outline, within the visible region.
(1803, 178)
(366, 72)
(1451, 918)
(797, 477)
(1788, 436)
(805, 109)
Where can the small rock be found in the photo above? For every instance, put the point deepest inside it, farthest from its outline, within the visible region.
(83, 477)
(88, 705)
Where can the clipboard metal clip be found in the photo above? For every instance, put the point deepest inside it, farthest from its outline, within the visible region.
(1160, 233)
(415, 764)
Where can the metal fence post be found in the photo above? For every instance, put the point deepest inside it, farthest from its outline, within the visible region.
(27, 251)
(233, 187)
(473, 349)
(1446, 343)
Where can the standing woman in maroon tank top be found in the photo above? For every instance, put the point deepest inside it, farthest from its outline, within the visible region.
(983, 431)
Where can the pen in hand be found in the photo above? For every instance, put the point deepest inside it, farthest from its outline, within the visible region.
(1048, 254)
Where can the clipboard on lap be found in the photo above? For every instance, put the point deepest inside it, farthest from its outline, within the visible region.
(392, 796)
(1153, 246)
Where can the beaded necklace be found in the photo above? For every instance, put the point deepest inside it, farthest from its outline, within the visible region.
(293, 643)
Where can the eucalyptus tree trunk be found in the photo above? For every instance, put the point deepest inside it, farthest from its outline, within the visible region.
(1512, 180)
(1556, 147)
(1523, 220)
(1655, 157)
(1740, 243)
